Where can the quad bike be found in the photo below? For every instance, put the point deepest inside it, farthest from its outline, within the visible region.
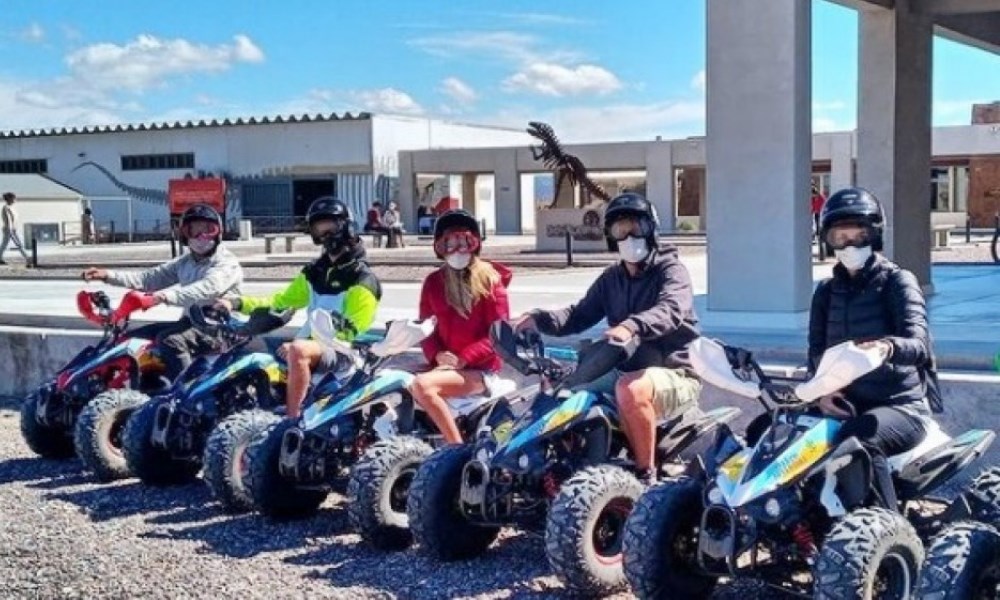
(164, 439)
(799, 509)
(295, 463)
(563, 467)
(118, 366)
(225, 458)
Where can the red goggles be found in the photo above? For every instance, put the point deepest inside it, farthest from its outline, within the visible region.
(457, 241)
(201, 229)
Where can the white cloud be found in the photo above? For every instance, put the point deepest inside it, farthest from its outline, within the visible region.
(829, 105)
(954, 112)
(825, 124)
(615, 122)
(32, 110)
(699, 81)
(145, 62)
(550, 79)
(458, 90)
(543, 19)
(32, 33)
(503, 46)
(71, 33)
(388, 100)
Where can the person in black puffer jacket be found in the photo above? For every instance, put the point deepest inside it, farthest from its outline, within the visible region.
(875, 303)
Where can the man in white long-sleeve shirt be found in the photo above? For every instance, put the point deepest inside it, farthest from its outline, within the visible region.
(8, 220)
(200, 277)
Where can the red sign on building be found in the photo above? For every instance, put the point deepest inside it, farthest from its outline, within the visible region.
(184, 193)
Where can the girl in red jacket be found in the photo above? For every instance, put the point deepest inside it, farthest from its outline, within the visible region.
(466, 295)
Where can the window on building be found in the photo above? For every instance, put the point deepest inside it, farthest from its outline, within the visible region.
(37, 165)
(151, 162)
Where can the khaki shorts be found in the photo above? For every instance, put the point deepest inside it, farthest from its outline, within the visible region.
(674, 392)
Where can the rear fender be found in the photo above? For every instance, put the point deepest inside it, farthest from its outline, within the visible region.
(927, 473)
(679, 433)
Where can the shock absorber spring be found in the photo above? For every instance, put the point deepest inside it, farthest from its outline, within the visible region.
(804, 539)
(550, 484)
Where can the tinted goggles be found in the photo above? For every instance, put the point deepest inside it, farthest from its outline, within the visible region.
(855, 236)
(625, 228)
(457, 241)
(201, 229)
(325, 227)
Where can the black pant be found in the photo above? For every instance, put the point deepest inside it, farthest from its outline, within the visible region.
(885, 431)
(177, 343)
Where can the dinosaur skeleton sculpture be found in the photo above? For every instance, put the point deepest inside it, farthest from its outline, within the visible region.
(566, 166)
(160, 197)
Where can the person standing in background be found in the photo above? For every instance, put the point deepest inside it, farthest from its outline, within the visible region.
(9, 221)
(87, 227)
(817, 201)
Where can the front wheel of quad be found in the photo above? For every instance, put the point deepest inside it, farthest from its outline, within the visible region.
(586, 526)
(45, 441)
(153, 465)
(963, 563)
(869, 553)
(273, 494)
(226, 460)
(438, 526)
(98, 435)
(378, 488)
(661, 542)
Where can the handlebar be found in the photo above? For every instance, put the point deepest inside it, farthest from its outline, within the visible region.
(96, 307)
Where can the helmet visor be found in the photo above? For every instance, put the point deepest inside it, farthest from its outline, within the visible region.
(199, 228)
(630, 227)
(843, 235)
(324, 227)
(454, 241)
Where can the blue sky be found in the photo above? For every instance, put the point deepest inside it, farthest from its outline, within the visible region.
(597, 70)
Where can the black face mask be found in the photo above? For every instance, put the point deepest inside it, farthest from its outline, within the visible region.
(333, 243)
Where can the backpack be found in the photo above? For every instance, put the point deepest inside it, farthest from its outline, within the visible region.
(928, 370)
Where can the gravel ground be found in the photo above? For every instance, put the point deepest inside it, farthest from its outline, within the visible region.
(64, 536)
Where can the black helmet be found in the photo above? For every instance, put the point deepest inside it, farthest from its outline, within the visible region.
(631, 204)
(200, 212)
(456, 217)
(329, 208)
(854, 205)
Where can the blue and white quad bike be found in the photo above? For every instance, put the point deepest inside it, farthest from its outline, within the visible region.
(164, 439)
(797, 509)
(562, 467)
(295, 463)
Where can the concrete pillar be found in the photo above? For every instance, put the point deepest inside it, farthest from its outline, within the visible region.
(507, 193)
(759, 152)
(660, 183)
(894, 127)
(568, 194)
(469, 192)
(408, 193)
(841, 162)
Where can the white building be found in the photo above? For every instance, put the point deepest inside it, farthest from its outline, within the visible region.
(279, 164)
(46, 210)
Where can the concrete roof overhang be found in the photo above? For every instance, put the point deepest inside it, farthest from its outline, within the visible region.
(972, 22)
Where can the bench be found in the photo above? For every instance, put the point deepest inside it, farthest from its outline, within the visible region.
(394, 238)
(941, 235)
(289, 241)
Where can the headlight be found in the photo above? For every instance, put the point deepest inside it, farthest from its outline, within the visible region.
(482, 455)
(523, 461)
(334, 430)
(772, 507)
(715, 495)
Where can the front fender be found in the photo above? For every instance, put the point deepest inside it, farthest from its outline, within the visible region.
(324, 410)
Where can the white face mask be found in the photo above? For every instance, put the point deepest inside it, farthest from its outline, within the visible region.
(201, 246)
(633, 249)
(853, 258)
(458, 260)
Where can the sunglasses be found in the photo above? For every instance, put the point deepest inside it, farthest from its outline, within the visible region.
(322, 228)
(457, 241)
(638, 228)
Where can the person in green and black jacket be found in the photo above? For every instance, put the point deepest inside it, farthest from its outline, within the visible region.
(339, 281)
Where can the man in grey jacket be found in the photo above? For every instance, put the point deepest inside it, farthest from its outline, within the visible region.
(200, 277)
(647, 295)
